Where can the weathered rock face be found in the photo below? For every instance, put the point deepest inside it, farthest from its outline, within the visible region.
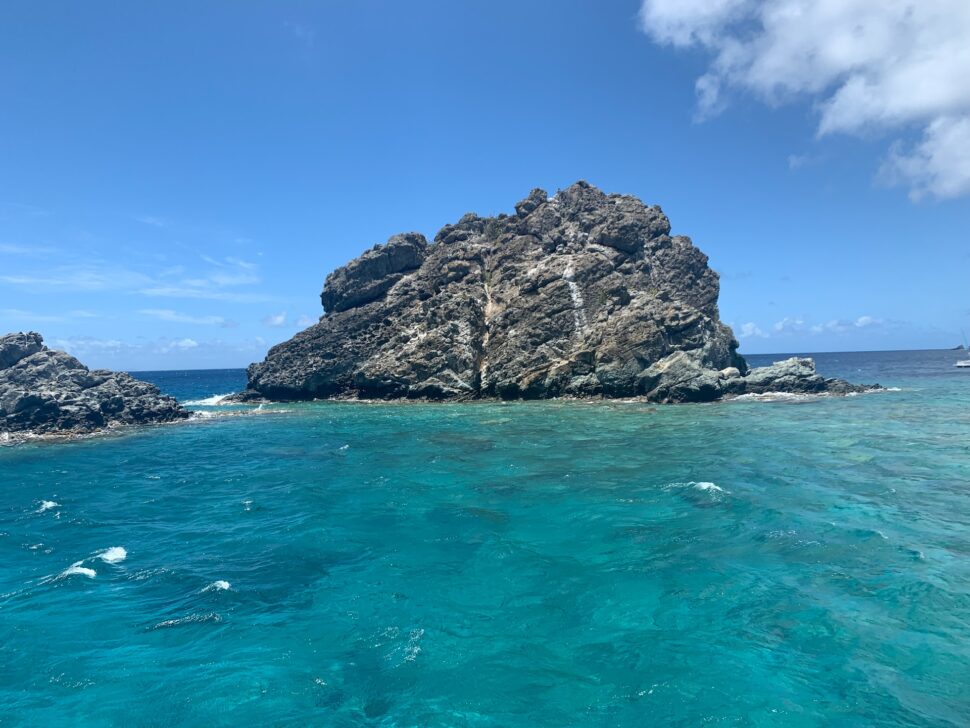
(47, 391)
(581, 294)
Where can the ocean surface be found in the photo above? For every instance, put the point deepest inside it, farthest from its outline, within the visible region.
(751, 563)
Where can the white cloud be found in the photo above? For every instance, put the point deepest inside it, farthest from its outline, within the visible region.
(870, 66)
(178, 345)
(751, 330)
(797, 161)
(840, 326)
(80, 278)
(79, 345)
(276, 320)
(227, 273)
(788, 324)
(202, 293)
(167, 314)
(798, 325)
(166, 283)
(939, 166)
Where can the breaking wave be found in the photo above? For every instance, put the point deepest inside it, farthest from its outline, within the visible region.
(214, 401)
(76, 569)
(113, 555)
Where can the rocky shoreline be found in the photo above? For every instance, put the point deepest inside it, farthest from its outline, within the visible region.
(44, 392)
(581, 294)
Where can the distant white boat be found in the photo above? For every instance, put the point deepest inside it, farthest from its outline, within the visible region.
(964, 363)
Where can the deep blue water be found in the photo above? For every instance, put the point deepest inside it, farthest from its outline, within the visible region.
(524, 564)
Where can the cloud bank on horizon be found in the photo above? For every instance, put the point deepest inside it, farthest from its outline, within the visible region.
(892, 68)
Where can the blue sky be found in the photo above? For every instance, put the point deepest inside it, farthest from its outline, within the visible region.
(177, 179)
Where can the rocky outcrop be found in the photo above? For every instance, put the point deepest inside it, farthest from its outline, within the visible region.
(371, 275)
(580, 294)
(678, 378)
(44, 391)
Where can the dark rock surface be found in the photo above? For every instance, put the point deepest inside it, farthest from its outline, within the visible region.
(582, 294)
(43, 391)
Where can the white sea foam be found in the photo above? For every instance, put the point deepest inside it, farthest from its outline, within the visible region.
(77, 569)
(213, 401)
(220, 585)
(190, 619)
(704, 486)
(777, 397)
(46, 505)
(413, 648)
(113, 555)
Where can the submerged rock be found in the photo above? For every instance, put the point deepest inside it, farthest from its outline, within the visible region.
(582, 294)
(45, 391)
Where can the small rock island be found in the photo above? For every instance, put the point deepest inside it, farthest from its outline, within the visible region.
(582, 294)
(49, 392)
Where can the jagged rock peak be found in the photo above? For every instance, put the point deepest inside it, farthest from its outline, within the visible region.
(46, 391)
(580, 294)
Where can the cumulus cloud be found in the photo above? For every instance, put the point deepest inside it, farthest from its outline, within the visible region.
(889, 66)
(178, 345)
(275, 320)
(840, 326)
(82, 345)
(797, 325)
(751, 330)
(939, 166)
(788, 324)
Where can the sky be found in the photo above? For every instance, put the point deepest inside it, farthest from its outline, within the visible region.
(177, 179)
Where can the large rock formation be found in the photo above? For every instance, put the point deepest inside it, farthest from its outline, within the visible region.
(581, 294)
(49, 392)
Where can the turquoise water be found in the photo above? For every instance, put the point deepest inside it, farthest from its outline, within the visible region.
(526, 564)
